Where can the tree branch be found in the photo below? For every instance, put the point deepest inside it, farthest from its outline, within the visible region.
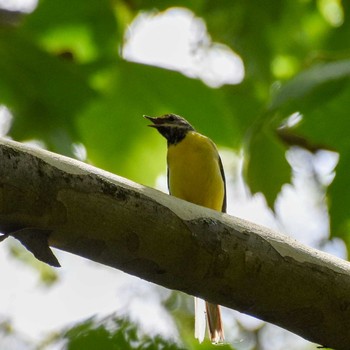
(10, 18)
(176, 244)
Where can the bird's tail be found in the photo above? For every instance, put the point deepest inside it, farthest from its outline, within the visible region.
(215, 326)
(199, 319)
(207, 313)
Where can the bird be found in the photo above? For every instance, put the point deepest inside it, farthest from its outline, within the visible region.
(195, 173)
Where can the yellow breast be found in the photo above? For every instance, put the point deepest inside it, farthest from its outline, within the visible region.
(194, 171)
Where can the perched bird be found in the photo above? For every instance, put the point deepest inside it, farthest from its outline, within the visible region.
(195, 174)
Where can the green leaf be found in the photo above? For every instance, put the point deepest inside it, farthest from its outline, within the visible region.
(194, 5)
(113, 334)
(267, 168)
(321, 95)
(339, 199)
(262, 34)
(88, 29)
(43, 92)
(311, 87)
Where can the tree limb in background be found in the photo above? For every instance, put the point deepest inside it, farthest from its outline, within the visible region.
(10, 18)
(173, 243)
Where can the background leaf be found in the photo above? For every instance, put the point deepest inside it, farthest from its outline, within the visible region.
(44, 92)
(266, 152)
(320, 94)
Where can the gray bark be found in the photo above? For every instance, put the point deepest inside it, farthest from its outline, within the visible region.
(162, 239)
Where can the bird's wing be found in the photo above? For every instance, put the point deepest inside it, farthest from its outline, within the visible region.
(223, 209)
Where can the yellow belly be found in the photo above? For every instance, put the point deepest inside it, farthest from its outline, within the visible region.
(194, 171)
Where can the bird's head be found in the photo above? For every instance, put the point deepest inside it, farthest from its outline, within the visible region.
(173, 127)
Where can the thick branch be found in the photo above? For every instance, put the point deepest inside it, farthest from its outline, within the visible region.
(10, 18)
(175, 244)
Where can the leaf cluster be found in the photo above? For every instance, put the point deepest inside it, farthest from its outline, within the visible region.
(115, 333)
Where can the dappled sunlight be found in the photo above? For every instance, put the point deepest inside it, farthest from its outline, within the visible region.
(332, 11)
(84, 289)
(240, 201)
(276, 338)
(6, 120)
(19, 5)
(301, 207)
(79, 151)
(176, 39)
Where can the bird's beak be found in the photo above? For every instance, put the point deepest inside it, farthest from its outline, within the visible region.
(156, 121)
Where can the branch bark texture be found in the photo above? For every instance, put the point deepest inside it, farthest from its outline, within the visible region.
(223, 259)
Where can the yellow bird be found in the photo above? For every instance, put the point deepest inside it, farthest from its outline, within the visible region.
(195, 174)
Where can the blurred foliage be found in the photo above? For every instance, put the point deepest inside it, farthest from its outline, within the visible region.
(114, 333)
(64, 80)
(180, 306)
(91, 335)
(47, 275)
